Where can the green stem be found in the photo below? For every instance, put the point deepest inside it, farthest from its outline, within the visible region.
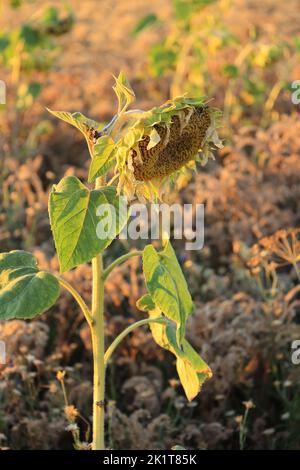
(78, 299)
(128, 330)
(118, 261)
(119, 120)
(97, 331)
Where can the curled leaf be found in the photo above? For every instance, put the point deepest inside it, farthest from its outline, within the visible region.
(124, 92)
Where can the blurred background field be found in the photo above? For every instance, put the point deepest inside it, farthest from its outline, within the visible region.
(242, 53)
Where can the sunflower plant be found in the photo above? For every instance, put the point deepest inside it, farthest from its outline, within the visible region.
(136, 155)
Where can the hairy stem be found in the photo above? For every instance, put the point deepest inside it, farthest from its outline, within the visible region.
(128, 330)
(118, 261)
(97, 330)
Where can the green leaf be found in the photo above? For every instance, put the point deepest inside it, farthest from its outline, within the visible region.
(162, 58)
(78, 120)
(185, 8)
(50, 15)
(26, 94)
(4, 42)
(167, 285)
(31, 36)
(192, 369)
(231, 70)
(25, 291)
(145, 303)
(73, 212)
(145, 22)
(124, 92)
(85, 125)
(103, 158)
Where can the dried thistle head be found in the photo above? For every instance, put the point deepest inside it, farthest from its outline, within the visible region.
(280, 249)
(164, 141)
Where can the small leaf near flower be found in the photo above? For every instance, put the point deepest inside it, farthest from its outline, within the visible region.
(78, 120)
(88, 127)
(103, 157)
(124, 92)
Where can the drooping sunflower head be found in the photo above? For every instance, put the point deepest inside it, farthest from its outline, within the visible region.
(164, 141)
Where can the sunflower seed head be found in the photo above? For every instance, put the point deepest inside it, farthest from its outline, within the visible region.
(179, 143)
(164, 141)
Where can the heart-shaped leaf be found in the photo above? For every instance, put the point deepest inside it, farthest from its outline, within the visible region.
(25, 291)
(83, 222)
(167, 285)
